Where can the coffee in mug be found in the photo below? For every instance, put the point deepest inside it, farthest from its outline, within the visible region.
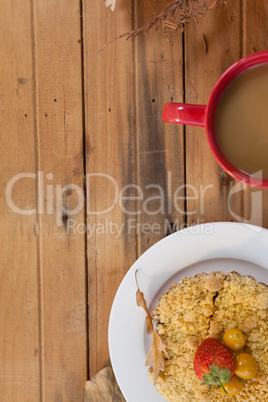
(241, 121)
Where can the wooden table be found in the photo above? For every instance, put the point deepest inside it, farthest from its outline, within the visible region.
(90, 175)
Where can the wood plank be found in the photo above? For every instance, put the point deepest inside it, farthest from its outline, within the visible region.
(214, 194)
(160, 146)
(60, 161)
(110, 149)
(255, 36)
(255, 39)
(19, 302)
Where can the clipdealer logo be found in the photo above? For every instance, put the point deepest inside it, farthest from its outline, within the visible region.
(132, 200)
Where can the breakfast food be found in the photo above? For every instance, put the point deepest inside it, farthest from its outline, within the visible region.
(234, 339)
(207, 306)
(214, 363)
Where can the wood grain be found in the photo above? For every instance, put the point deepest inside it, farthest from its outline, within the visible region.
(110, 123)
(106, 177)
(19, 303)
(160, 146)
(60, 156)
(255, 35)
(212, 194)
(130, 144)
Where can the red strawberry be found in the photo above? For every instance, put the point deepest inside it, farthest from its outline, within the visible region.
(214, 363)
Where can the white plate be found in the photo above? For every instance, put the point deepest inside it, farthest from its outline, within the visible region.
(203, 248)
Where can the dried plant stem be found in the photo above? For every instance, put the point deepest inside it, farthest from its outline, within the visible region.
(149, 24)
(173, 17)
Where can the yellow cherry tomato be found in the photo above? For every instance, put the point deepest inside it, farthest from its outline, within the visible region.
(233, 387)
(234, 339)
(245, 366)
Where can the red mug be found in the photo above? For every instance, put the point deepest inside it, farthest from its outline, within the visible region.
(204, 116)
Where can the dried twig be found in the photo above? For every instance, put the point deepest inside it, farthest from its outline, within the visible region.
(173, 17)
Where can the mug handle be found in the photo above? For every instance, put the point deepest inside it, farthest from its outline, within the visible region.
(184, 113)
